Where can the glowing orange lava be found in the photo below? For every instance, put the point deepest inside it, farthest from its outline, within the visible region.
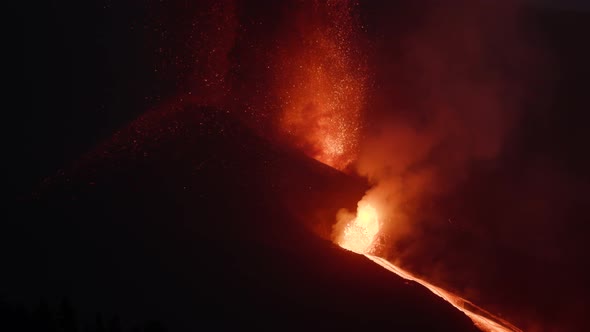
(358, 236)
(484, 320)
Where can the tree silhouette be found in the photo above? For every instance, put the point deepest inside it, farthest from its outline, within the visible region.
(67, 317)
(115, 324)
(43, 317)
(99, 323)
(154, 326)
(16, 318)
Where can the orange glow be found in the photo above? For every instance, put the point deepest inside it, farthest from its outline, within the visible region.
(358, 236)
(484, 320)
(359, 233)
(322, 86)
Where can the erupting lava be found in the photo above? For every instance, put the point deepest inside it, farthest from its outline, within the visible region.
(322, 84)
(321, 88)
(359, 234)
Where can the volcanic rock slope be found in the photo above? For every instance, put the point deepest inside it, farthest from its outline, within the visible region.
(188, 217)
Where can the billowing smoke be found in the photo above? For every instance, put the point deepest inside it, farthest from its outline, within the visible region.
(448, 91)
(431, 102)
(451, 83)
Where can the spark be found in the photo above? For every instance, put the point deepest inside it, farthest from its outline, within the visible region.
(322, 87)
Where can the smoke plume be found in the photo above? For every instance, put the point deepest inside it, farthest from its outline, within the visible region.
(451, 83)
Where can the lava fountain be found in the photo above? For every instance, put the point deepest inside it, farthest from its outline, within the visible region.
(321, 88)
(321, 83)
(358, 234)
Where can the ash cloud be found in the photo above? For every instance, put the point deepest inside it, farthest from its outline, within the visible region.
(459, 140)
(451, 86)
(448, 95)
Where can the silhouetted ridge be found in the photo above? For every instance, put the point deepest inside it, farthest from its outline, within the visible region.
(188, 216)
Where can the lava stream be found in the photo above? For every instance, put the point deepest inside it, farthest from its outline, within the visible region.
(358, 236)
(482, 319)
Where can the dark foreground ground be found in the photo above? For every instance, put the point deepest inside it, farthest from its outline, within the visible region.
(186, 209)
(189, 219)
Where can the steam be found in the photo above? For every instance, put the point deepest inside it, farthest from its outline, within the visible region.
(449, 95)
(465, 67)
(440, 92)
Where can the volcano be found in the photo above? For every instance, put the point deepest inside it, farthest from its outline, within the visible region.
(190, 163)
(190, 218)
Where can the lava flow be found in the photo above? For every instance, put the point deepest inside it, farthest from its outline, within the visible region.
(358, 236)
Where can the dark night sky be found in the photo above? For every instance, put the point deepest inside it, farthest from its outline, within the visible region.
(91, 68)
(579, 5)
(75, 54)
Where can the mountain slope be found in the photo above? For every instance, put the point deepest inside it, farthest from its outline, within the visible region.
(188, 217)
